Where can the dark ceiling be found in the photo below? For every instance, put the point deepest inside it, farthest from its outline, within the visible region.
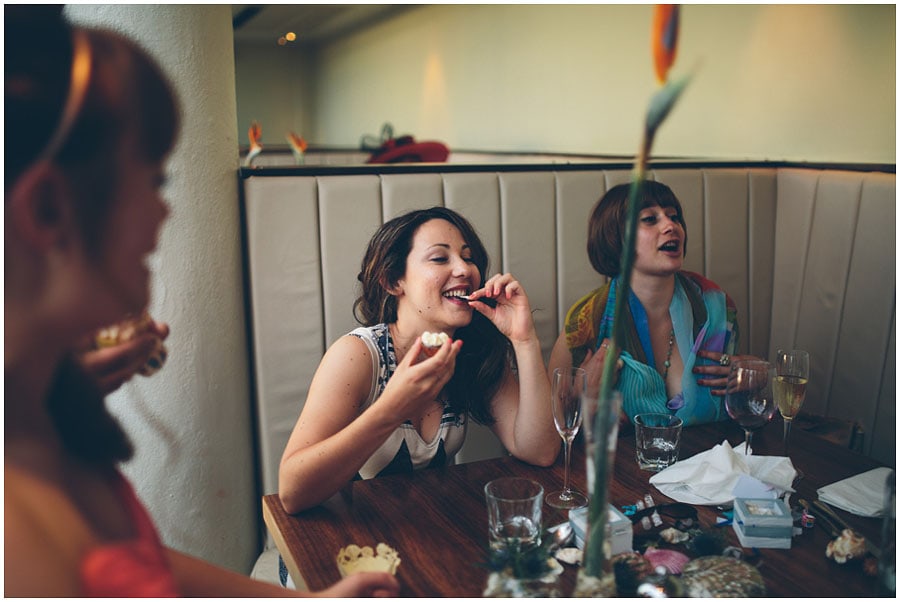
(313, 23)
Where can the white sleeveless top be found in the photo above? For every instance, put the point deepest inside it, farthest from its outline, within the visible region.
(405, 450)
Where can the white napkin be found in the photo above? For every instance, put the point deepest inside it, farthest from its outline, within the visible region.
(710, 477)
(862, 494)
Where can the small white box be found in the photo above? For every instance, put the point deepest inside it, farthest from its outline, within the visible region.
(763, 523)
(619, 528)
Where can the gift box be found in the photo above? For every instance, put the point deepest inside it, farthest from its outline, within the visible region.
(763, 523)
(619, 527)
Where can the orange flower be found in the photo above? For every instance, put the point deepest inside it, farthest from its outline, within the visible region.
(255, 135)
(297, 142)
(664, 38)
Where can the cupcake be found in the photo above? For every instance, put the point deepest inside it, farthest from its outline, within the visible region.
(125, 331)
(432, 341)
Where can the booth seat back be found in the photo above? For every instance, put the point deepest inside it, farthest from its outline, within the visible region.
(808, 256)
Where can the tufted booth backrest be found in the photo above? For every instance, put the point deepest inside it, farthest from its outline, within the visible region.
(807, 254)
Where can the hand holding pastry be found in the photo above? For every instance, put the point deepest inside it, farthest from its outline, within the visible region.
(123, 349)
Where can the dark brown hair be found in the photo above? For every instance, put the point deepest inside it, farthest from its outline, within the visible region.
(606, 226)
(486, 353)
(127, 98)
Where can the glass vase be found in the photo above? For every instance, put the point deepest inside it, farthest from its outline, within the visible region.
(600, 425)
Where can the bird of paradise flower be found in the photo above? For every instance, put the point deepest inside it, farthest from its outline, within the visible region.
(664, 40)
(298, 147)
(255, 136)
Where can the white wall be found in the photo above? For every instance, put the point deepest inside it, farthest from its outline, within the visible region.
(797, 82)
(190, 423)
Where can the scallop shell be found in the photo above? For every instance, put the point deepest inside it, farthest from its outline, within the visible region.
(721, 577)
(672, 560)
(847, 546)
(356, 559)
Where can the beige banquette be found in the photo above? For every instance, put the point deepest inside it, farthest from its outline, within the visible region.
(807, 254)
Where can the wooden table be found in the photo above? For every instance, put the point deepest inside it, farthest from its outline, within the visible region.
(437, 520)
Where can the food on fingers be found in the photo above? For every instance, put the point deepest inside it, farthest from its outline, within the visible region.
(433, 341)
(126, 330)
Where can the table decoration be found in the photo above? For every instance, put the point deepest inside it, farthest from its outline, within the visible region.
(596, 577)
(356, 559)
(523, 571)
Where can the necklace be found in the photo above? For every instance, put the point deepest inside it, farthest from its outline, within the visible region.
(668, 361)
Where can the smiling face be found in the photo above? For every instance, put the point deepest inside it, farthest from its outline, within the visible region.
(660, 241)
(439, 269)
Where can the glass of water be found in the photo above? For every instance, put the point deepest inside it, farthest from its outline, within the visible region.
(657, 438)
(514, 512)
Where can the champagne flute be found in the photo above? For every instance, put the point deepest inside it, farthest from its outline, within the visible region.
(749, 399)
(792, 374)
(566, 388)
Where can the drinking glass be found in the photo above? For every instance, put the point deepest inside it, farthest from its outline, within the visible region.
(566, 388)
(791, 376)
(748, 396)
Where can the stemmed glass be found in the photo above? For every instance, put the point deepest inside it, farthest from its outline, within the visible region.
(748, 396)
(791, 376)
(566, 388)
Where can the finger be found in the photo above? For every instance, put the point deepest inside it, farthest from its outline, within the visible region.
(412, 356)
(160, 329)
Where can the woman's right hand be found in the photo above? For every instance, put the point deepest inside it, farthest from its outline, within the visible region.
(363, 585)
(417, 383)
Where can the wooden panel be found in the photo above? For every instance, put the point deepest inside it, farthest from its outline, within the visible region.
(763, 207)
(529, 247)
(727, 232)
(349, 213)
(404, 192)
(868, 308)
(824, 281)
(882, 444)
(283, 250)
(796, 197)
(577, 192)
(476, 196)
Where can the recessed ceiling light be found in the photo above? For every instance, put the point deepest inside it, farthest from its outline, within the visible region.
(290, 36)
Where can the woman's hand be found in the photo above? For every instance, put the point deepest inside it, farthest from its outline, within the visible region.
(417, 383)
(111, 367)
(363, 585)
(512, 315)
(715, 376)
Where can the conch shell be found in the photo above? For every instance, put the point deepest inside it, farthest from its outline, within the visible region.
(847, 546)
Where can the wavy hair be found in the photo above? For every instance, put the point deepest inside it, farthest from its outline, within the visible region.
(486, 354)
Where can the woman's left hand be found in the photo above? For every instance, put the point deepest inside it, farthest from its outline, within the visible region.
(512, 315)
(715, 376)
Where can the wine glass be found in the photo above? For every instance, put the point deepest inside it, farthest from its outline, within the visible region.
(748, 396)
(791, 376)
(566, 388)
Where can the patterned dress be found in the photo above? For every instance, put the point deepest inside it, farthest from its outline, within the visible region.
(405, 450)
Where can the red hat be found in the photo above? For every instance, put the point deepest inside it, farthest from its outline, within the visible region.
(406, 150)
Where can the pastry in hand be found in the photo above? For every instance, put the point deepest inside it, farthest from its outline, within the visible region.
(432, 341)
(126, 330)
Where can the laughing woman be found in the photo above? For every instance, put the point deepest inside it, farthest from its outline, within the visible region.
(379, 405)
(681, 328)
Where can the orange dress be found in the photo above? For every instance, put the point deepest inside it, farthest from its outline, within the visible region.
(137, 568)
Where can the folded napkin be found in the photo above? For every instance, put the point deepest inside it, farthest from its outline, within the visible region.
(863, 494)
(710, 477)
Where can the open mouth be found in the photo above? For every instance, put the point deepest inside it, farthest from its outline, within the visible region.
(456, 294)
(673, 246)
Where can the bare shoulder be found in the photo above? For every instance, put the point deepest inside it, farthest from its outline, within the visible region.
(344, 375)
(44, 539)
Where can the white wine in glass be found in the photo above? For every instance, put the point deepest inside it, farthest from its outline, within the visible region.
(566, 389)
(792, 375)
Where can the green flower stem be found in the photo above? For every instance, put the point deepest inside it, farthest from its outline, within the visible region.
(596, 558)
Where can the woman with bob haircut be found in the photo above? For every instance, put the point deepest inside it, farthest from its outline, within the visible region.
(681, 329)
(378, 404)
(93, 120)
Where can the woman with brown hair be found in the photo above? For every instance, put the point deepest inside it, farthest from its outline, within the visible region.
(92, 120)
(680, 328)
(379, 405)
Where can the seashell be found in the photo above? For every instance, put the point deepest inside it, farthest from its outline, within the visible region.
(847, 546)
(674, 535)
(721, 577)
(631, 569)
(356, 559)
(672, 560)
(571, 556)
